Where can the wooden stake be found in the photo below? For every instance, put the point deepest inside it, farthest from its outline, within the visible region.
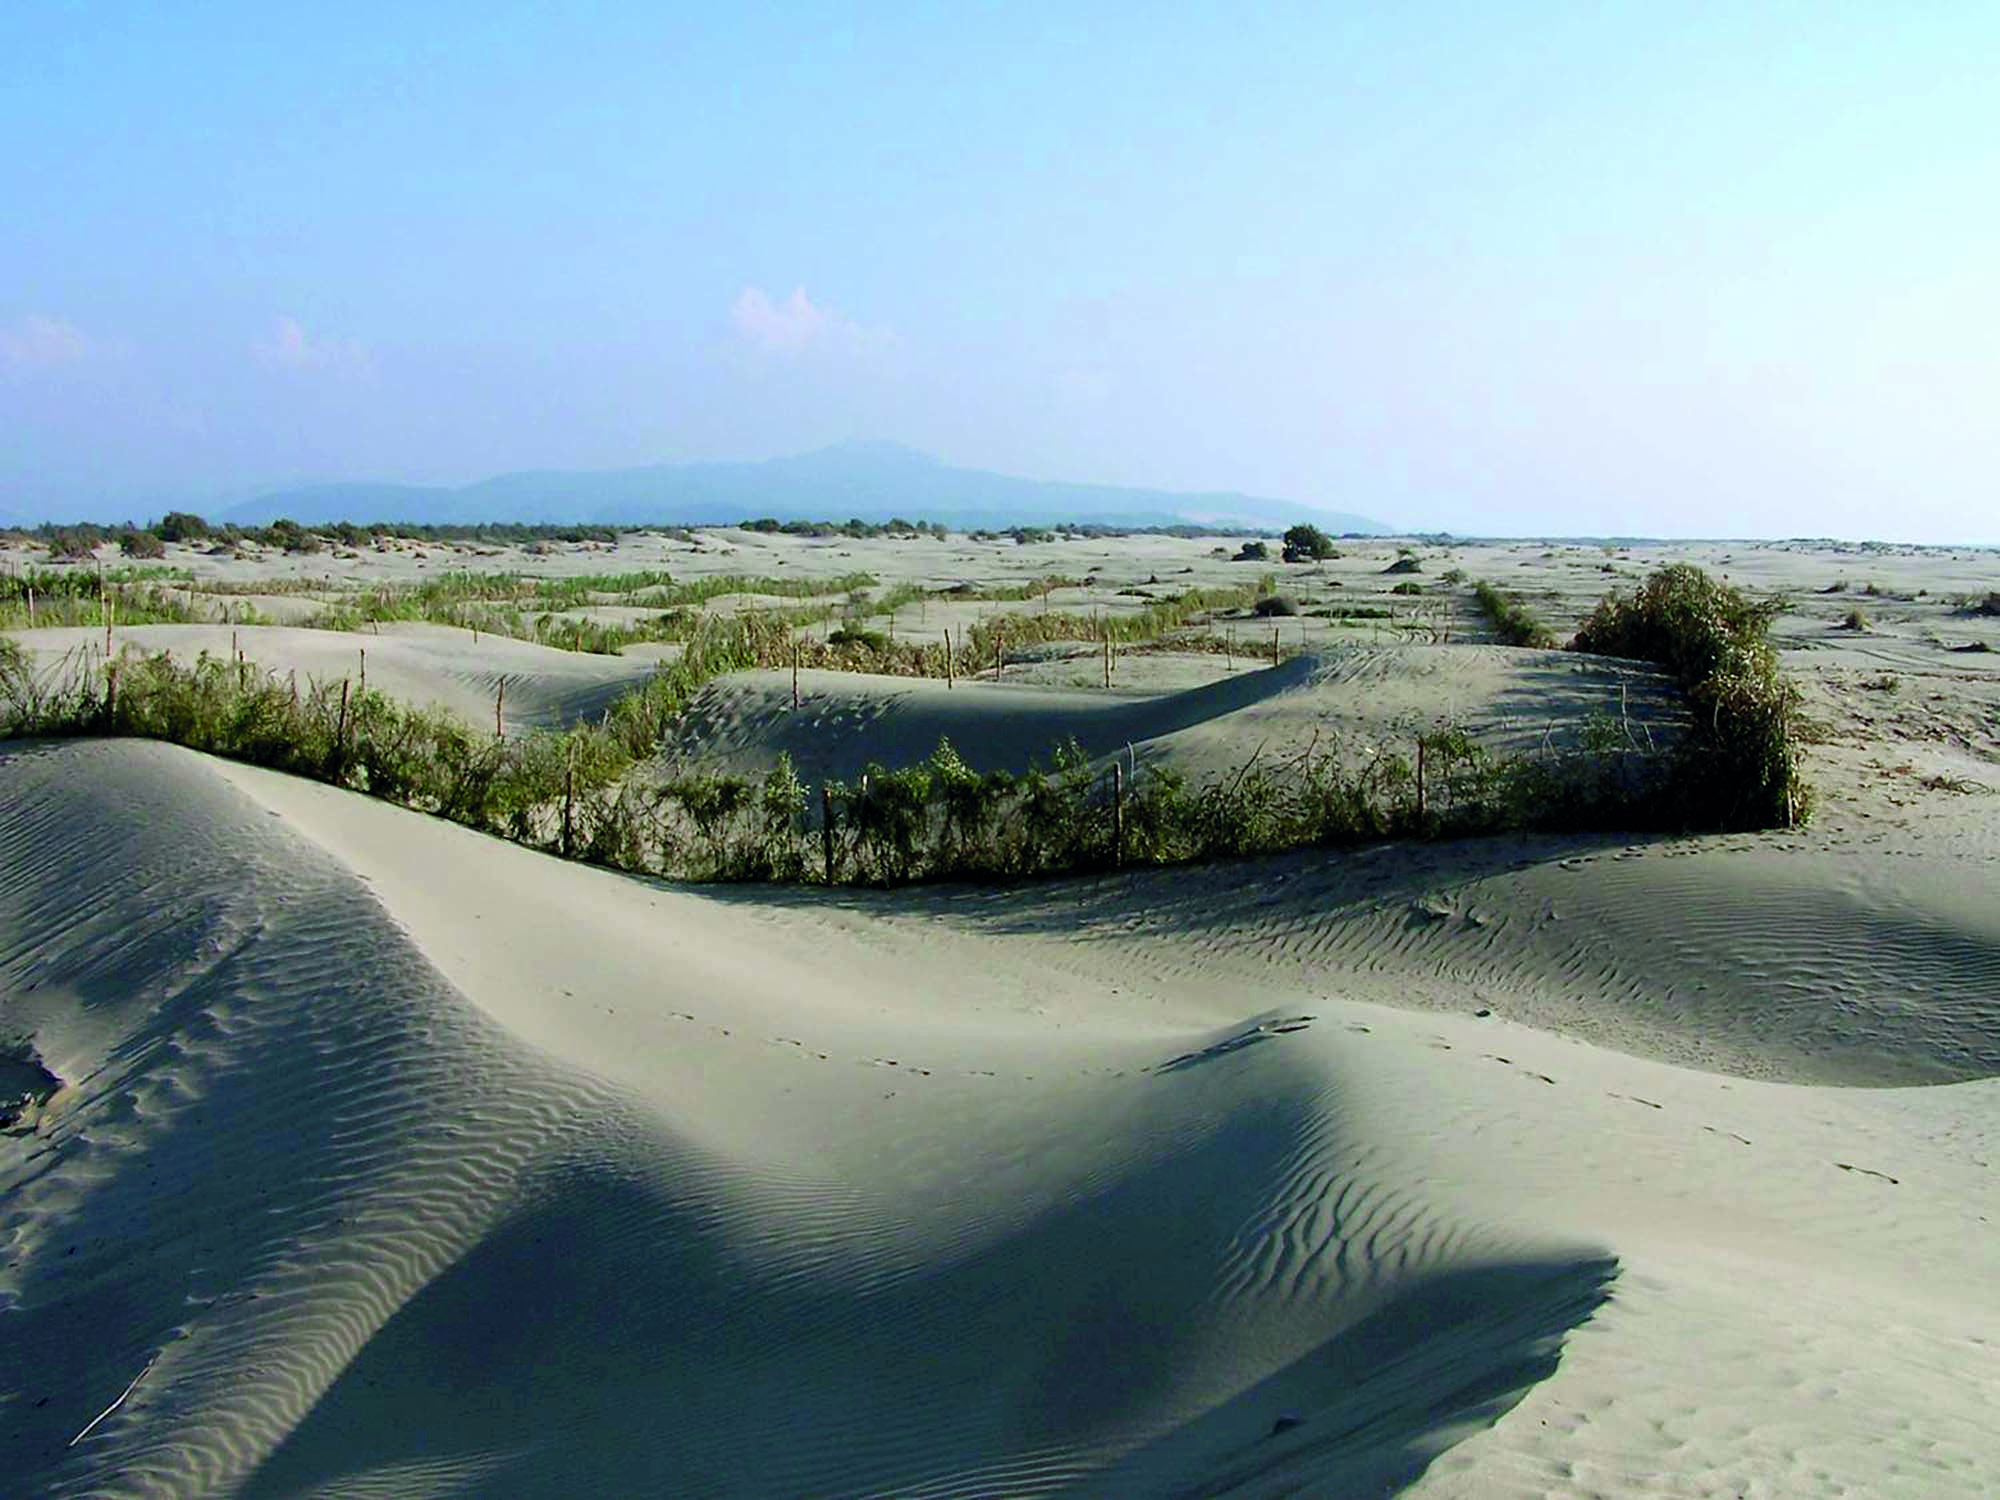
(569, 801)
(499, 705)
(1420, 780)
(1117, 816)
(340, 731)
(364, 669)
(826, 826)
(949, 669)
(795, 675)
(91, 1426)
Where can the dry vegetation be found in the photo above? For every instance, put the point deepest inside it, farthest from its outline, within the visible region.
(594, 791)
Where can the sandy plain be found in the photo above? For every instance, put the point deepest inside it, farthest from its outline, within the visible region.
(391, 1159)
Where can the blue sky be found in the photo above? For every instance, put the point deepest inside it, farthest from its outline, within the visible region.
(1725, 269)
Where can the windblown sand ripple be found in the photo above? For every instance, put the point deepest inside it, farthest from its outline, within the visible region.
(406, 1162)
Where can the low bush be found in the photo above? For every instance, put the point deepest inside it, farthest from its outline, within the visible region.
(80, 596)
(1275, 604)
(1407, 588)
(1512, 621)
(1740, 764)
(589, 793)
(1304, 543)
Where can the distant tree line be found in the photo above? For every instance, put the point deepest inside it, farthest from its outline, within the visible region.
(854, 527)
(81, 539)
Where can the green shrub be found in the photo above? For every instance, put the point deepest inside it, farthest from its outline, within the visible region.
(1740, 763)
(141, 544)
(1275, 604)
(68, 545)
(290, 536)
(1407, 588)
(1308, 544)
(1512, 621)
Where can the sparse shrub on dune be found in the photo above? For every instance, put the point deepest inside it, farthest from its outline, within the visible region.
(1854, 619)
(1275, 604)
(592, 793)
(1308, 544)
(77, 596)
(67, 545)
(1740, 763)
(1512, 621)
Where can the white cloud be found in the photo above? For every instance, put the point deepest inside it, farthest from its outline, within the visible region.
(794, 324)
(290, 348)
(37, 342)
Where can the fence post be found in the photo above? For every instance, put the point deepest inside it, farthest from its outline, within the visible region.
(1420, 780)
(340, 730)
(949, 670)
(111, 695)
(364, 670)
(499, 703)
(1274, 645)
(569, 801)
(826, 826)
(795, 674)
(1117, 815)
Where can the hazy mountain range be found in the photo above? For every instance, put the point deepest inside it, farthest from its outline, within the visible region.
(869, 481)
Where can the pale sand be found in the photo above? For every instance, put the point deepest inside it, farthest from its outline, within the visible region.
(1349, 703)
(406, 1162)
(420, 1164)
(430, 666)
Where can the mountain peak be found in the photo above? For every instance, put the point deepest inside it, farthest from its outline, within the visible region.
(872, 453)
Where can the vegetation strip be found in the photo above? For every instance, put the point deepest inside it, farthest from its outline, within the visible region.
(591, 793)
(1512, 621)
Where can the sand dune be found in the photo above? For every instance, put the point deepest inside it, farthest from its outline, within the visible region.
(405, 1162)
(1352, 701)
(426, 665)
